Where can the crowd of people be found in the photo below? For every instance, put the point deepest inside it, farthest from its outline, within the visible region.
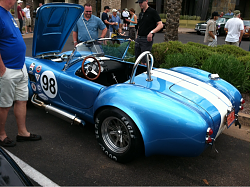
(234, 28)
(24, 17)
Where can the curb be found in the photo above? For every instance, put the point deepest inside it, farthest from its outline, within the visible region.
(244, 119)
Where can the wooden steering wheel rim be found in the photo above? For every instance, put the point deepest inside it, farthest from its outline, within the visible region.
(99, 65)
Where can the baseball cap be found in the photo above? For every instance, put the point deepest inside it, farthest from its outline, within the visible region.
(215, 14)
(114, 10)
(140, 1)
(236, 12)
(19, 2)
(106, 7)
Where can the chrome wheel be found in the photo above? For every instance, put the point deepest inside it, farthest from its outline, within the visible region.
(115, 134)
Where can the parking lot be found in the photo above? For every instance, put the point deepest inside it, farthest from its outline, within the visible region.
(70, 155)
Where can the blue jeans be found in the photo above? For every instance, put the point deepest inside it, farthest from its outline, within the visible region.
(21, 25)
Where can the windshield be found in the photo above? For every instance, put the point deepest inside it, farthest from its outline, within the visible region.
(220, 20)
(116, 48)
(246, 22)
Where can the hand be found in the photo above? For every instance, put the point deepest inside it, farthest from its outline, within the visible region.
(75, 43)
(2, 71)
(149, 37)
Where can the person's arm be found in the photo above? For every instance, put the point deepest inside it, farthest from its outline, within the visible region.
(75, 35)
(155, 30)
(226, 26)
(109, 23)
(241, 34)
(20, 12)
(2, 67)
(24, 15)
(135, 18)
(211, 34)
(104, 31)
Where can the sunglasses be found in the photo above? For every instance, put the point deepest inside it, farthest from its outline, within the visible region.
(88, 11)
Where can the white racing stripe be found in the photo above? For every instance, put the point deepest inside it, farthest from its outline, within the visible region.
(214, 96)
(32, 173)
(200, 84)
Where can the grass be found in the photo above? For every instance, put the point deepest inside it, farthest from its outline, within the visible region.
(186, 23)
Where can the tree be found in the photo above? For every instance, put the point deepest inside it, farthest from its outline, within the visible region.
(173, 8)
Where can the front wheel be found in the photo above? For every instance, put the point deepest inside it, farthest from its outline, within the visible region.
(118, 136)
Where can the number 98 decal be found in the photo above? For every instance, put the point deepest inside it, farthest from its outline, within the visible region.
(49, 84)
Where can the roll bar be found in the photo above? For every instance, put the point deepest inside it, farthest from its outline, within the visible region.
(149, 66)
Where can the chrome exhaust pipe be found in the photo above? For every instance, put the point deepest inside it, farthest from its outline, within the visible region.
(57, 112)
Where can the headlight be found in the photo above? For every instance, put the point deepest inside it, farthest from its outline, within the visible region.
(247, 30)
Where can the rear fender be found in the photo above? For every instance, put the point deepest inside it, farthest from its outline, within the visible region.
(158, 120)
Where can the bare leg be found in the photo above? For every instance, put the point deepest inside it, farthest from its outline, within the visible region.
(3, 118)
(20, 114)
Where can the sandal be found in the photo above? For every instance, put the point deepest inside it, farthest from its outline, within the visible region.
(7, 142)
(32, 137)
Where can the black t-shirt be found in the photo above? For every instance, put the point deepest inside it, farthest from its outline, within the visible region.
(105, 17)
(147, 21)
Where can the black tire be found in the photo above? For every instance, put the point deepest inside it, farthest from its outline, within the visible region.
(198, 32)
(118, 136)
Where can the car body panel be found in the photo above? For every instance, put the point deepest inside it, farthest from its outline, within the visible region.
(246, 33)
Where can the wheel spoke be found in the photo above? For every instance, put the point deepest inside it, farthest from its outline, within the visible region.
(111, 127)
(87, 72)
(94, 72)
(121, 141)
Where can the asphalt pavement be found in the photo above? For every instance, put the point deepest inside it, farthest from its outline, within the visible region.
(70, 155)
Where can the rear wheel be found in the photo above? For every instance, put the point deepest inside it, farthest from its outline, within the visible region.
(118, 136)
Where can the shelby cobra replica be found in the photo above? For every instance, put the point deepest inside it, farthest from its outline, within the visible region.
(136, 109)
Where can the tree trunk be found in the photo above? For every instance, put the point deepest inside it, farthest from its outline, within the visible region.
(173, 8)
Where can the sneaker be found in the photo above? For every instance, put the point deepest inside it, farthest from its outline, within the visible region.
(27, 33)
(31, 32)
(32, 137)
(7, 142)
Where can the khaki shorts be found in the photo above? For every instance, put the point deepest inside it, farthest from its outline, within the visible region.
(232, 43)
(28, 22)
(13, 86)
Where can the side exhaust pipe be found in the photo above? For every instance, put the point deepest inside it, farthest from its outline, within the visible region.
(57, 112)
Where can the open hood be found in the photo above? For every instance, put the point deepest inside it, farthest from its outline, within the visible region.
(53, 25)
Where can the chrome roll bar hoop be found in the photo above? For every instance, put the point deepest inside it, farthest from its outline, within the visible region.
(149, 66)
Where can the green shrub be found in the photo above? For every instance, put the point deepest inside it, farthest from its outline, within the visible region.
(198, 45)
(161, 50)
(200, 54)
(198, 18)
(178, 59)
(230, 69)
(230, 50)
(163, 16)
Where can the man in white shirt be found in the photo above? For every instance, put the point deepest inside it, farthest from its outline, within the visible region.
(235, 28)
(28, 18)
(40, 4)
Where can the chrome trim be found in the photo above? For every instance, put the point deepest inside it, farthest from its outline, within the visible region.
(149, 66)
(57, 112)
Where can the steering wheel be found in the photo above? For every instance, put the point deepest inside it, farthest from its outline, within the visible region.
(91, 68)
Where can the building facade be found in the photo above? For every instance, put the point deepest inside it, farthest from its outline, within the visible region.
(202, 8)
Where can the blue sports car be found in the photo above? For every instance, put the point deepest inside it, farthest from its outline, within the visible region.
(136, 109)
